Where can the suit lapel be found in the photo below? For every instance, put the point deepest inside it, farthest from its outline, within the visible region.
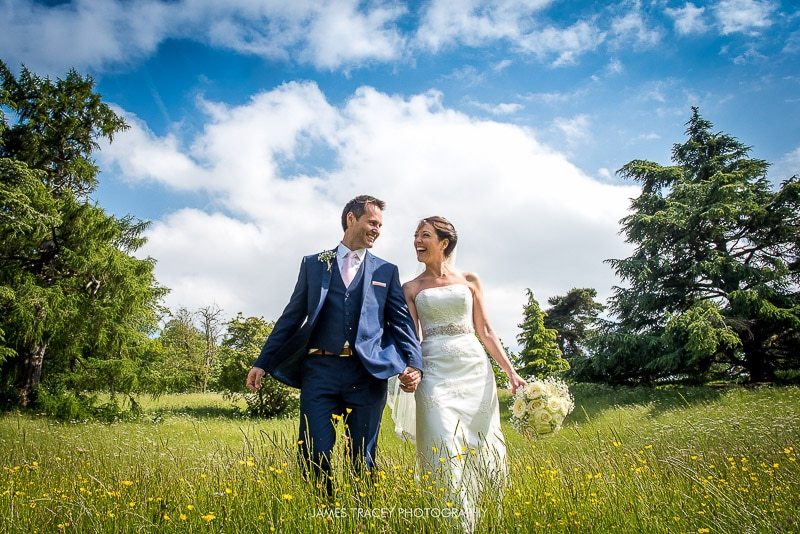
(369, 268)
(325, 285)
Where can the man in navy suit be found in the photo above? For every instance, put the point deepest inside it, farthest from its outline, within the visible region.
(345, 331)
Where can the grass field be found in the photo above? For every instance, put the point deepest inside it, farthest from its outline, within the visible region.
(689, 460)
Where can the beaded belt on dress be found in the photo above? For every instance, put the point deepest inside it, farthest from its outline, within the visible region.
(452, 329)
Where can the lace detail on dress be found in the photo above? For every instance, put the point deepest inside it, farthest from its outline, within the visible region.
(438, 307)
(429, 401)
(452, 329)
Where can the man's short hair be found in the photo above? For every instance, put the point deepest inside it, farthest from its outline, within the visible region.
(358, 206)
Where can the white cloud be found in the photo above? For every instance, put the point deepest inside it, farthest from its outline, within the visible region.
(649, 136)
(87, 33)
(605, 173)
(575, 130)
(551, 97)
(527, 217)
(632, 28)
(564, 43)
(750, 55)
(792, 45)
(504, 108)
(614, 66)
(744, 16)
(786, 167)
(688, 19)
(341, 34)
(475, 22)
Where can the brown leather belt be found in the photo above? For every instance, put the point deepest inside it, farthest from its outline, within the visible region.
(346, 352)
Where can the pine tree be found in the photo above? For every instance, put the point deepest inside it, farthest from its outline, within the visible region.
(713, 281)
(539, 352)
(75, 305)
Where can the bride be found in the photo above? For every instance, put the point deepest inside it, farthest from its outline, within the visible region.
(457, 429)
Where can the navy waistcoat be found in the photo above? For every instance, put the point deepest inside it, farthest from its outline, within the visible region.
(338, 320)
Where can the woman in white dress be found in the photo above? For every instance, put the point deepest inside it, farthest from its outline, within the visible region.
(457, 432)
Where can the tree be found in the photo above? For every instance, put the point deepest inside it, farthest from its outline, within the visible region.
(75, 304)
(539, 352)
(181, 366)
(715, 273)
(240, 347)
(573, 317)
(211, 326)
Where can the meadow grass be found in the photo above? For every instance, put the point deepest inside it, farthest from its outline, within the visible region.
(689, 460)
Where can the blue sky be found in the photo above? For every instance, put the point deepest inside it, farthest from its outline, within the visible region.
(254, 121)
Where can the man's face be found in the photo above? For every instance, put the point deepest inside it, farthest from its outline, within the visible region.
(365, 230)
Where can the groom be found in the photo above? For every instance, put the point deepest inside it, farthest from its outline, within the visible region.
(345, 331)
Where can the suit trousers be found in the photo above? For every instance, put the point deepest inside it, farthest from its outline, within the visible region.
(334, 385)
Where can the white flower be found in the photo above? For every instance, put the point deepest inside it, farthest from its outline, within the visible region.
(326, 257)
(555, 405)
(519, 407)
(536, 404)
(534, 390)
(541, 406)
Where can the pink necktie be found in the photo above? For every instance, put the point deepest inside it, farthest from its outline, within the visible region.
(350, 267)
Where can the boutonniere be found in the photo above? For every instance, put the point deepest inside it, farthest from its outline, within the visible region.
(326, 257)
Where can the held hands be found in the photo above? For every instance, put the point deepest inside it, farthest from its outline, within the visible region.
(515, 381)
(254, 378)
(409, 379)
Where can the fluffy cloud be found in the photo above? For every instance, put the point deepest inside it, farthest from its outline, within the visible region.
(503, 108)
(744, 16)
(87, 33)
(566, 44)
(688, 19)
(342, 34)
(632, 28)
(575, 130)
(474, 22)
(527, 217)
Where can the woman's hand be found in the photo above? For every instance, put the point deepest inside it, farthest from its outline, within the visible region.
(515, 381)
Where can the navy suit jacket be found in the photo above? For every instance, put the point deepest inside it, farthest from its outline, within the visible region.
(386, 341)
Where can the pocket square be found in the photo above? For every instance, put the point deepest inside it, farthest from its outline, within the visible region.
(379, 284)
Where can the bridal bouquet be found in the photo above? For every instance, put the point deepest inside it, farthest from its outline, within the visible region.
(541, 406)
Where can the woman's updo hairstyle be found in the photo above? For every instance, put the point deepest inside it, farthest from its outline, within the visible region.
(444, 230)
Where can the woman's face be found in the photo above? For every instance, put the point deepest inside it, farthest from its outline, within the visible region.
(427, 244)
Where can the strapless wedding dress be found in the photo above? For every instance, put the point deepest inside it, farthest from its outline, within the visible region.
(458, 437)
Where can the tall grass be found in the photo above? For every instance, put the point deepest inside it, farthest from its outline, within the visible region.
(667, 460)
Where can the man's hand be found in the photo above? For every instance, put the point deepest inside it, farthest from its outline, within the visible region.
(254, 378)
(409, 379)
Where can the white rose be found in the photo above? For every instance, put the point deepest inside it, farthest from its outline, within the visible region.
(534, 390)
(536, 405)
(519, 407)
(557, 406)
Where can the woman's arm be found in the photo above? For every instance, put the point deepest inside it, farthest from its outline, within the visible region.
(409, 291)
(487, 334)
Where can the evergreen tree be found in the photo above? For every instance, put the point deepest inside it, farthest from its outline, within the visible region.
(573, 317)
(713, 281)
(539, 352)
(75, 305)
